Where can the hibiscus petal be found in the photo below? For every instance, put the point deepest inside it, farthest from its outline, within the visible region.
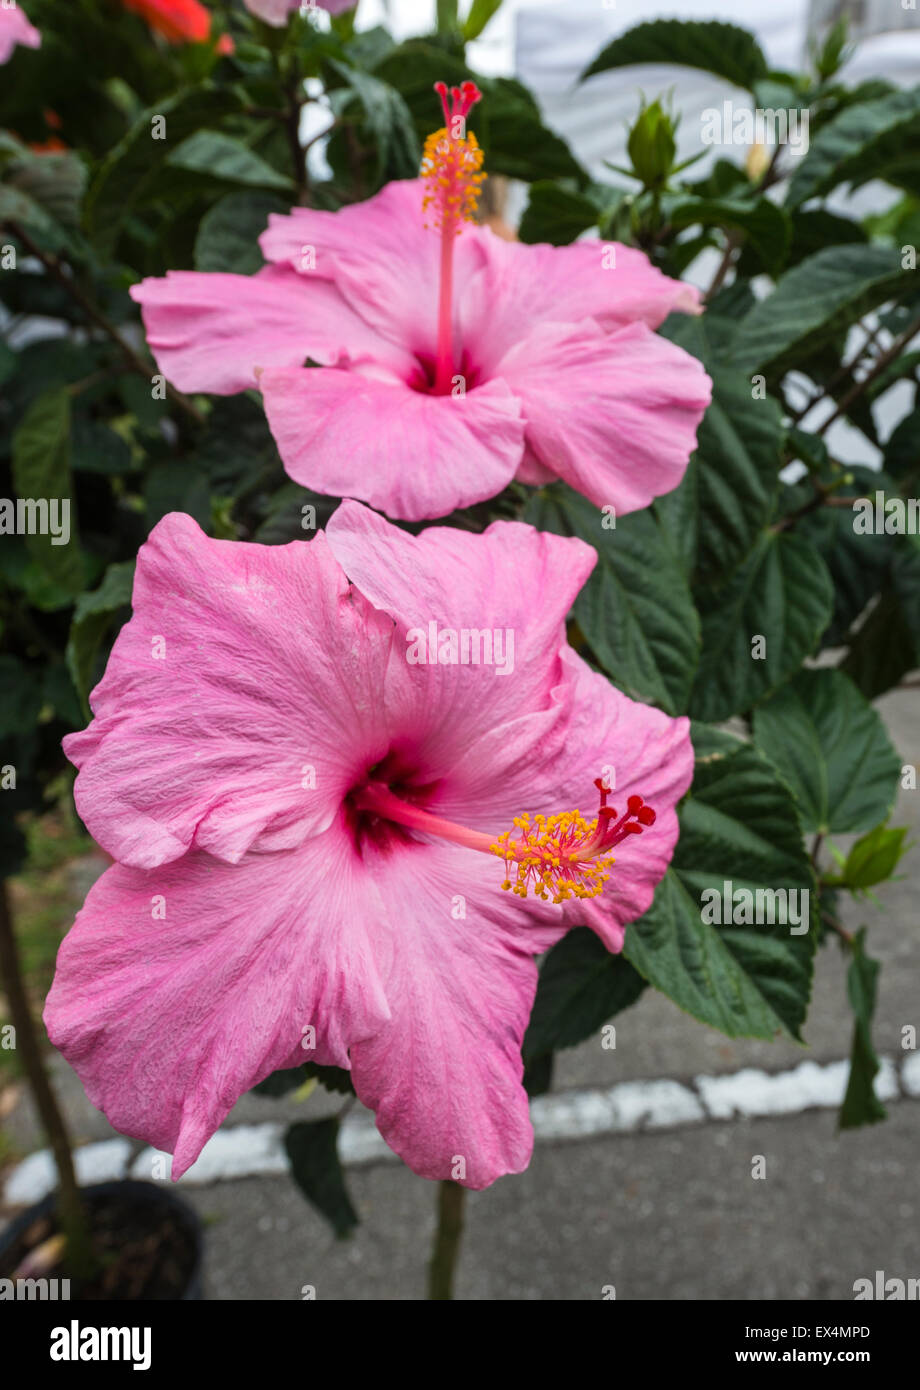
(651, 756)
(382, 257)
(511, 582)
(522, 286)
(16, 29)
(169, 1019)
(212, 331)
(267, 701)
(613, 415)
(411, 454)
(444, 1075)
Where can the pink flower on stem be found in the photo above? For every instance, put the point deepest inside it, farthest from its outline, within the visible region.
(276, 12)
(15, 29)
(329, 833)
(447, 364)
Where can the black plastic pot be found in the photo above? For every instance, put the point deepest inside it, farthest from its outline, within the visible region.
(135, 1194)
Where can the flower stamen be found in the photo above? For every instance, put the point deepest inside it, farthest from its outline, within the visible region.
(452, 173)
(556, 857)
(566, 856)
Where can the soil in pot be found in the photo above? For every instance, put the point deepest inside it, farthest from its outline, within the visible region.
(146, 1249)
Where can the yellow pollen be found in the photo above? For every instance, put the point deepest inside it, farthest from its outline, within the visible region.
(545, 858)
(451, 169)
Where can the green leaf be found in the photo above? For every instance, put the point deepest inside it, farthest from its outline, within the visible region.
(388, 118)
(874, 858)
(870, 140)
(766, 226)
(581, 986)
(44, 192)
(228, 236)
(173, 487)
(221, 156)
(129, 174)
(816, 228)
(95, 448)
(481, 11)
(814, 302)
(861, 1106)
(635, 610)
(93, 616)
(41, 472)
(858, 564)
(739, 832)
(782, 593)
(555, 214)
(887, 644)
(902, 451)
(728, 493)
(538, 1074)
(831, 749)
(518, 144)
(312, 1147)
(711, 46)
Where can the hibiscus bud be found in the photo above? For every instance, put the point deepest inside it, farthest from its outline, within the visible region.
(652, 146)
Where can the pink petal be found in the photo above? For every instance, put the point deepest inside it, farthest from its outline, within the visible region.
(444, 1075)
(213, 331)
(276, 12)
(273, 675)
(651, 756)
(16, 29)
(169, 1019)
(510, 579)
(411, 454)
(614, 416)
(523, 286)
(383, 259)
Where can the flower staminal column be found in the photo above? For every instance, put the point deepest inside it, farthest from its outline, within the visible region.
(452, 171)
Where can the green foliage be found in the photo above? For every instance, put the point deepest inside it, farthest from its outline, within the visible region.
(312, 1148)
(722, 49)
(861, 1105)
(830, 747)
(738, 826)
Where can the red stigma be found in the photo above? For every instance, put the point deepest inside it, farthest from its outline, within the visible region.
(462, 101)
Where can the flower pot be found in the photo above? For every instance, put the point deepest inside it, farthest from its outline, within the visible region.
(150, 1241)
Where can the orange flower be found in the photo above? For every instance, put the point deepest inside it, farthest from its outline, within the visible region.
(179, 21)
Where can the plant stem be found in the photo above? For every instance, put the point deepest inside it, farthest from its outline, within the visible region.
(732, 243)
(298, 155)
(54, 266)
(443, 1263)
(71, 1214)
(831, 920)
(881, 363)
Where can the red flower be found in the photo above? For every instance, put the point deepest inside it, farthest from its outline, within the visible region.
(179, 21)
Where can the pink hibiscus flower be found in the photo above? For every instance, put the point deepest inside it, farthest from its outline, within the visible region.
(16, 29)
(276, 12)
(313, 828)
(448, 364)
